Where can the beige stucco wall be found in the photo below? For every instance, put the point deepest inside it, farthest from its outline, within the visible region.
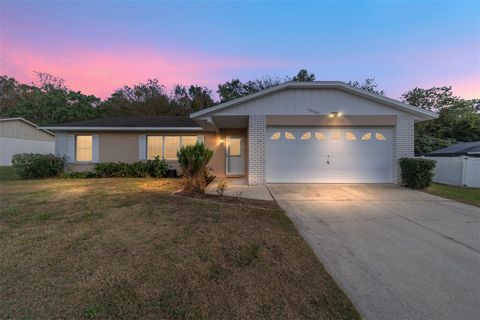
(123, 146)
(18, 129)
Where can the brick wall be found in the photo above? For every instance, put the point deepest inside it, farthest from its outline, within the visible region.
(403, 143)
(61, 144)
(257, 164)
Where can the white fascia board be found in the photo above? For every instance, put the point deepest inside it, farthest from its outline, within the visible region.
(29, 123)
(122, 128)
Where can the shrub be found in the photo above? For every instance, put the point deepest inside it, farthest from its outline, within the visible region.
(79, 175)
(34, 165)
(222, 185)
(193, 160)
(154, 168)
(417, 173)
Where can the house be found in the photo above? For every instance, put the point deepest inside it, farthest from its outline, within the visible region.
(18, 135)
(296, 132)
(457, 165)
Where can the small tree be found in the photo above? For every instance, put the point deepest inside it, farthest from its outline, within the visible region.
(193, 160)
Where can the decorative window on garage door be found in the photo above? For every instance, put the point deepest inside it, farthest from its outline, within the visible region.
(350, 136)
(367, 136)
(380, 136)
(306, 136)
(319, 136)
(275, 136)
(289, 135)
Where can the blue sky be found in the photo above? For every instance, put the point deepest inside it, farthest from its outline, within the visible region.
(99, 46)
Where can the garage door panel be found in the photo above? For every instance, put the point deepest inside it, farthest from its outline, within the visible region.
(326, 155)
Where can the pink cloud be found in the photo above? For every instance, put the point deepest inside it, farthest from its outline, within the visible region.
(99, 72)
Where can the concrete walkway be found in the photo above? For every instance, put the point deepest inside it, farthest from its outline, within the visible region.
(398, 253)
(238, 187)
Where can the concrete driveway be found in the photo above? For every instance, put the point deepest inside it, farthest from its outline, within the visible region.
(398, 253)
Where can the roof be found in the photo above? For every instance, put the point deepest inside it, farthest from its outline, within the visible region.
(154, 123)
(419, 112)
(460, 149)
(27, 122)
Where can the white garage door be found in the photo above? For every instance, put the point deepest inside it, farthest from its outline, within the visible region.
(328, 155)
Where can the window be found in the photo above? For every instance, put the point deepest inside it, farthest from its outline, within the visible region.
(166, 147)
(154, 146)
(367, 136)
(336, 136)
(233, 147)
(289, 135)
(84, 148)
(171, 146)
(189, 140)
(350, 136)
(319, 136)
(306, 136)
(380, 136)
(275, 136)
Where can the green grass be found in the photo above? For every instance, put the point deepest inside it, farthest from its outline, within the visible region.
(465, 195)
(8, 174)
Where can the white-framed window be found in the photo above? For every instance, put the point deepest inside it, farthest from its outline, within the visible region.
(289, 135)
(166, 147)
(367, 136)
(84, 148)
(275, 136)
(319, 136)
(306, 136)
(234, 147)
(154, 147)
(350, 136)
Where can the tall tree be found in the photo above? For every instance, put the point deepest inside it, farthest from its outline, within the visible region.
(458, 121)
(235, 88)
(370, 85)
(193, 98)
(303, 75)
(47, 100)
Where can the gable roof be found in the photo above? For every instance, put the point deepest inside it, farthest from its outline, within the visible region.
(459, 149)
(27, 122)
(154, 123)
(421, 113)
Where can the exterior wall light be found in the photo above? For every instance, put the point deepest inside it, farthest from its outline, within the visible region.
(335, 114)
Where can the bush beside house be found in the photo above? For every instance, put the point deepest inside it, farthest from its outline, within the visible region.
(193, 160)
(35, 166)
(417, 173)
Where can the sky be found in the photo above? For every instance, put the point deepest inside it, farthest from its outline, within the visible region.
(98, 46)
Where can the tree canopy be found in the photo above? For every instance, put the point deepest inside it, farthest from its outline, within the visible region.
(50, 100)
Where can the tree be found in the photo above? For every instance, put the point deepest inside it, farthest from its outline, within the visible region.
(303, 75)
(235, 88)
(192, 99)
(433, 99)
(47, 100)
(458, 121)
(369, 85)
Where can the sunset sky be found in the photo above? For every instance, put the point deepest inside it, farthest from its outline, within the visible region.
(100, 46)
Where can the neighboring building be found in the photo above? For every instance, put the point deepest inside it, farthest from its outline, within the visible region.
(18, 135)
(297, 132)
(457, 165)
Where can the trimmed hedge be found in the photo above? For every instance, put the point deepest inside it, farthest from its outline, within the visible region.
(154, 168)
(417, 173)
(35, 165)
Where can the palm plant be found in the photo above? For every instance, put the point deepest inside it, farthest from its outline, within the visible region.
(193, 160)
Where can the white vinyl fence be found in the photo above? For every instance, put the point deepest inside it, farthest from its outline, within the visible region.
(457, 171)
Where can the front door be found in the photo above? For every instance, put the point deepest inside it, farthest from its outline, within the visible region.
(234, 149)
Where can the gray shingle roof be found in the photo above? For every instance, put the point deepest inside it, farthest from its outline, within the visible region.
(459, 149)
(135, 122)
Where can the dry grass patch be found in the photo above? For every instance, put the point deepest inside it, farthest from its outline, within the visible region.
(130, 249)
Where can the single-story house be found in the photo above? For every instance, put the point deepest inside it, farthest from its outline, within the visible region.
(457, 165)
(18, 135)
(296, 132)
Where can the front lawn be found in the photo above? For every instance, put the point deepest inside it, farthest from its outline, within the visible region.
(466, 195)
(129, 249)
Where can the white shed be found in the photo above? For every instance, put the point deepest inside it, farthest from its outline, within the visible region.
(18, 135)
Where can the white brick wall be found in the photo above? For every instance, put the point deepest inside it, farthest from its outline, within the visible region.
(257, 163)
(402, 143)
